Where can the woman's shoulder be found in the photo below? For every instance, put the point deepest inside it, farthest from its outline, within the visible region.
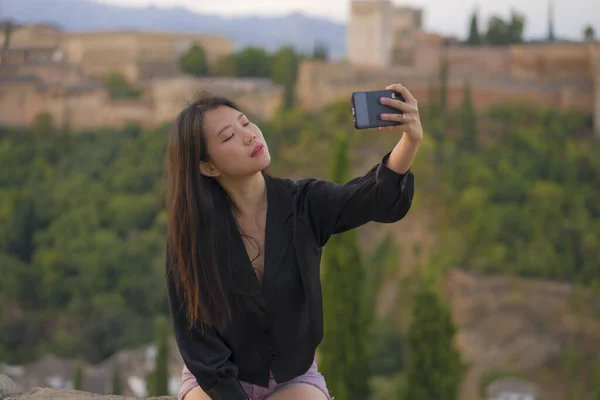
(296, 186)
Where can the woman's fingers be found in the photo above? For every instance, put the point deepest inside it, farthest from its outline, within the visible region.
(399, 104)
(396, 87)
(404, 118)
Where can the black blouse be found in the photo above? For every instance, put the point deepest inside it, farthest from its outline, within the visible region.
(282, 332)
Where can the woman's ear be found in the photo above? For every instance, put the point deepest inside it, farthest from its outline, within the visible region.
(208, 169)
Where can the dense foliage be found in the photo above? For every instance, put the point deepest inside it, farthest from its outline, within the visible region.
(434, 367)
(82, 226)
(344, 347)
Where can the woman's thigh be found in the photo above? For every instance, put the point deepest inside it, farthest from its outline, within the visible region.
(196, 394)
(297, 391)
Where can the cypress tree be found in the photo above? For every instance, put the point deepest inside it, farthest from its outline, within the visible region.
(384, 258)
(344, 358)
(117, 383)
(551, 36)
(78, 378)
(159, 382)
(444, 75)
(469, 121)
(474, 37)
(434, 368)
(596, 382)
(432, 98)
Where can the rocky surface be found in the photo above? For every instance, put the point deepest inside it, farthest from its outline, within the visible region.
(7, 386)
(525, 327)
(55, 394)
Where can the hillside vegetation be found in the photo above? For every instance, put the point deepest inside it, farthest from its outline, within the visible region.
(82, 225)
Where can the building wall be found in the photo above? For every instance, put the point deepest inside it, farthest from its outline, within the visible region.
(20, 56)
(101, 54)
(139, 55)
(551, 60)
(38, 35)
(89, 108)
(321, 83)
(51, 73)
(492, 60)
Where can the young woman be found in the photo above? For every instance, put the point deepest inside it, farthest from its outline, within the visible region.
(244, 250)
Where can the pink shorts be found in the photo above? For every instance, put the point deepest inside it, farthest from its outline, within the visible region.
(311, 377)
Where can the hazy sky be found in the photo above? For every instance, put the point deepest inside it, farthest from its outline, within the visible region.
(444, 16)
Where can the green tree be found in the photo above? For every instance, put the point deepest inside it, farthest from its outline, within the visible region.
(432, 98)
(474, 38)
(225, 66)
(8, 29)
(117, 382)
(385, 340)
(589, 34)
(382, 263)
(159, 382)
(320, 51)
(501, 32)
(78, 378)
(284, 72)
(119, 88)
(344, 358)
(253, 62)
(596, 382)
(496, 31)
(386, 348)
(43, 124)
(573, 364)
(433, 366)
(551, 36)
(516, 27)
(444, 74)
(194, 61)
(469, 120)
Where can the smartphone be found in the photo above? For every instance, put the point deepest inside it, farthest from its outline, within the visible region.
(366, 108)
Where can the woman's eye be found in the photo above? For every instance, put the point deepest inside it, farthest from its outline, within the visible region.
(246, 124)
(228, 138)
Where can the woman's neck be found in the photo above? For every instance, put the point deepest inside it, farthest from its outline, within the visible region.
(247, 194)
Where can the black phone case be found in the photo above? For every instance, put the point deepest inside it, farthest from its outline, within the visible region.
(375, 108)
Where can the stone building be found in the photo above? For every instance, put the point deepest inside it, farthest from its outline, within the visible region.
(387, 44)
(381, 34)
(46, 70)
(89, 105)
(137, 55)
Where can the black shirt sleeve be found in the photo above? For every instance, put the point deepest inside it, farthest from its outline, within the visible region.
(380, 195)
(206, 355)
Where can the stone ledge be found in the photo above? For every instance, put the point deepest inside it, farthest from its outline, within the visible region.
(40, 393)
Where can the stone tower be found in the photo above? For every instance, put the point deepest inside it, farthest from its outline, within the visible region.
(379, 31)
(369, 37)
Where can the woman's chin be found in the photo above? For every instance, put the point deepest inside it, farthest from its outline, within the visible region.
(264, 161)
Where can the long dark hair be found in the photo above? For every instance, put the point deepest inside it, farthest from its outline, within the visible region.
(197, 229)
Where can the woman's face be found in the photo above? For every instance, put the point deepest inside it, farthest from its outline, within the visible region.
(235, 145)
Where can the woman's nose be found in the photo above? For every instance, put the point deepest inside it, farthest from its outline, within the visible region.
(250, 137)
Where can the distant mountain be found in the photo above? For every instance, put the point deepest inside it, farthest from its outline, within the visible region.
(298, 30)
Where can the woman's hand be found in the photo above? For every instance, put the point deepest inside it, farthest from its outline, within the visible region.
(410, 123)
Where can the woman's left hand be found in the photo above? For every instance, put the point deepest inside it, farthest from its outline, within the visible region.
(410, 122)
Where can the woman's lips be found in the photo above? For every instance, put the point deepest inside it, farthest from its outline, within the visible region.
(258, 150)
